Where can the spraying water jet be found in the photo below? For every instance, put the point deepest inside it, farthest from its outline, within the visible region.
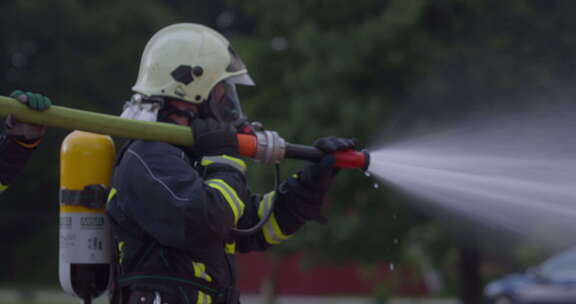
(506, 172)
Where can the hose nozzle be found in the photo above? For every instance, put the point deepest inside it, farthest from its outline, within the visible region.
(264, 146)
(269, 148)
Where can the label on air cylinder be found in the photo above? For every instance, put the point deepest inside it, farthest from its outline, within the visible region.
(84, 238)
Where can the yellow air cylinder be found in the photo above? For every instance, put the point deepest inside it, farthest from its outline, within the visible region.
(86, 165)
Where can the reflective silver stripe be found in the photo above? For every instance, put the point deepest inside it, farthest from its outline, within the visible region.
(265, 204)
(272, 232)
(227, 160)
(236, 204)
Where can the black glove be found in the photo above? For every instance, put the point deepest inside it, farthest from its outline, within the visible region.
(212, 137)
(311, 184)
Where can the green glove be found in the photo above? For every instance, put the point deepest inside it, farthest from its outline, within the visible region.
(27, 134)
(32, 100)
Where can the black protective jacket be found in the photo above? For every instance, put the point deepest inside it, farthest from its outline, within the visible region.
(13, 157)
(172, 215)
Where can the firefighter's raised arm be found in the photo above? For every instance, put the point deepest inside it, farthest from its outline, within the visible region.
(20, 139)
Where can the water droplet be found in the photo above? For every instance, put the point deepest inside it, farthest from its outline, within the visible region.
(376, 186)
(225, 19)
(395, 241)
(279, 43)
(391, 267)
(19, 60)
(367, 173)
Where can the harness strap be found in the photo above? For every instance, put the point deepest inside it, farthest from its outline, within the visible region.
(92, 196)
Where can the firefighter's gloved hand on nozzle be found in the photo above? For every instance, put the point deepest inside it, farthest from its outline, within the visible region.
(216, 144)
(27, 132)
(311, 184)
(212, 137)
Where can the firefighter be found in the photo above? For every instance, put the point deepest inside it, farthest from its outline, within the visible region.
(20, 139)
(172, 208)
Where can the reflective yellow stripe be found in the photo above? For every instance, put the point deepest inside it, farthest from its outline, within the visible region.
(200, 271)
(224, 159)
(111, 195)
(206, 162)
(230, 195)
(121, 251)
(271, 229)
(238, 161)
(3, 187)
(229, 199)
(203, 298)
(230, 248)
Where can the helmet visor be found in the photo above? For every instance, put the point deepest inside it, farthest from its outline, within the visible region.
(236, 63)
(225, 104)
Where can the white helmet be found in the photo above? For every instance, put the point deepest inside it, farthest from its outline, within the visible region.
(186, 61)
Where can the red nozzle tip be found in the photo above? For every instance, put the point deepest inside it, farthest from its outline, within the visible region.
(352, 159)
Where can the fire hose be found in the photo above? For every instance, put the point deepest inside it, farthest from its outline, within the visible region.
(264, 145)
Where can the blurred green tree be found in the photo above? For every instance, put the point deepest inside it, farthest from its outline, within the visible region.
(381, 70)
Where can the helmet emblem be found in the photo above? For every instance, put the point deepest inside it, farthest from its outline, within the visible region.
(183, 74)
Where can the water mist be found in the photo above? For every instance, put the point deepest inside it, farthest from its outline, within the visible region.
(513, 172)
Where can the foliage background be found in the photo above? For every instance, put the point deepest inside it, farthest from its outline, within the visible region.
(370, 69)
